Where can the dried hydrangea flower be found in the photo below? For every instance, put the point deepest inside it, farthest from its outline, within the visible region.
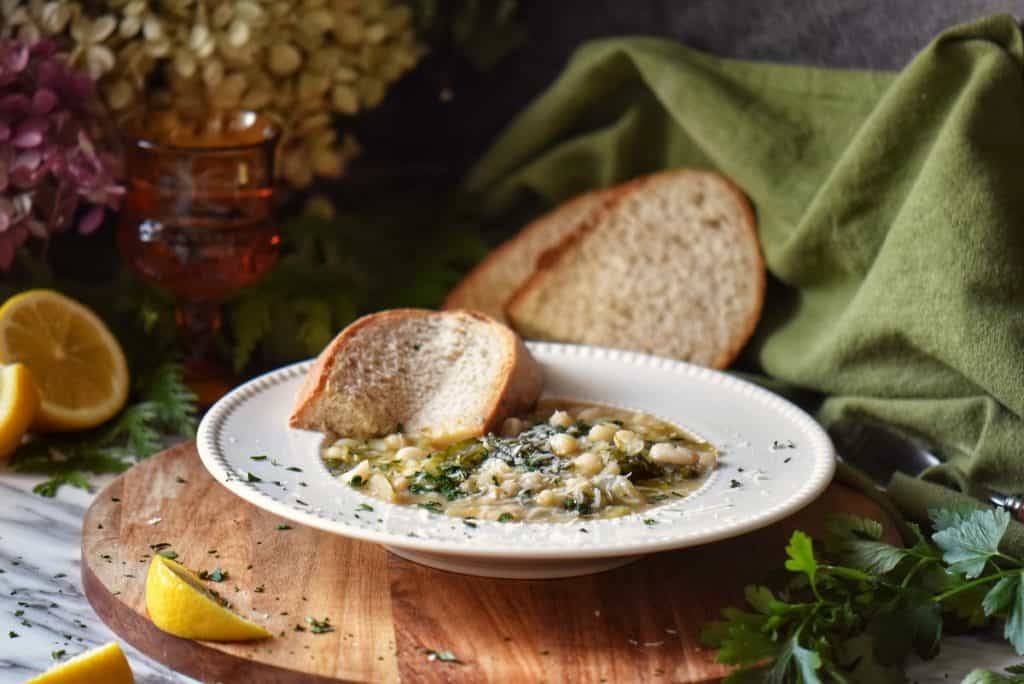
(292, 59)
(50, 167)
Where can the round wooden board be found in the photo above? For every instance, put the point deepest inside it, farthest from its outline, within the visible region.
(637, 623)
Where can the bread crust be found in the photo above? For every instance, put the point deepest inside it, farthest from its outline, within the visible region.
(550, 258)
(518, 390)
(509, 249)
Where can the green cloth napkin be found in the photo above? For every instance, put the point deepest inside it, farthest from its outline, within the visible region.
(890, 209)
(916, 497)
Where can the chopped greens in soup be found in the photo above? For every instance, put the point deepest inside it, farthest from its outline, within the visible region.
(564, 461)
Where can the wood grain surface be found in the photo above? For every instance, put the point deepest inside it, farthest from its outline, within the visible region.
(637, 624)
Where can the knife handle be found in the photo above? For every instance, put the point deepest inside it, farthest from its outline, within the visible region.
(1014, 503)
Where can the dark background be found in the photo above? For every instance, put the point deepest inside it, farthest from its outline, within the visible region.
(415, 126)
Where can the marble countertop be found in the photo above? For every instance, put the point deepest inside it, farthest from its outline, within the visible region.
(41, 599)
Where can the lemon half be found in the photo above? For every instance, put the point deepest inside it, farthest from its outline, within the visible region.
(19, 402)
(105, 664)
(179, 604)
(77, 364)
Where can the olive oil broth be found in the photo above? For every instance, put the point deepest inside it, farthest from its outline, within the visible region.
(564, 461)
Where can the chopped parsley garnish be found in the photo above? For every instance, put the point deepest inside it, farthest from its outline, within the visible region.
(468, 522)
(160, 547)
(180, 480)
(320, 626)
(365, 507)
(167, 553)
(259, 589)
(505, 517)
(215, 575)
(58, 654)
(294, 469)
(284, 526)
(432, 506)
(581, 505)
(261, 457)
(12, 635)
(447, 482)
(650, 521)
(735, 484)
(443, 656)
(249, 477)
(357, 481)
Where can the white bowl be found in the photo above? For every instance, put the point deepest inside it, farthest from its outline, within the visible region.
(774, 461)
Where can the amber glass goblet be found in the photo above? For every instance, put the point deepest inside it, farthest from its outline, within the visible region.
(198, 219)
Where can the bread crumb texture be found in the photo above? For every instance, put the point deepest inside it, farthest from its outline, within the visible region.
(424, 372)
(672, 267)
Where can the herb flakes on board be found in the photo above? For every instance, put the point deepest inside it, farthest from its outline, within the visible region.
(443, 656)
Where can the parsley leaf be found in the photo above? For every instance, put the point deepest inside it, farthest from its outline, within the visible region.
(969, 539)
(1013, 630)
(858, 608)
(795, 663)
(801, 555)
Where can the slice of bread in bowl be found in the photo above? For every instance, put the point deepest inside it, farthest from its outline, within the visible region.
(670, 265)
(489, 285)
(449, 375)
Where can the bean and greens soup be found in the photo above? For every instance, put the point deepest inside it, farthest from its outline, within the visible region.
(564, 461)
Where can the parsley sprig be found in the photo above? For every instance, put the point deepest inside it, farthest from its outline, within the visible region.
(856, 607)
(162, 406)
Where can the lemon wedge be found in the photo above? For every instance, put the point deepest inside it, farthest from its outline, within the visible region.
(105, 664)
(19, 402)
(179, 604)
(77, 364)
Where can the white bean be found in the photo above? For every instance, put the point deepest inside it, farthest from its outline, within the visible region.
(629, 441)
(547, 498)
(335, 452)
(362, 470)
(395, 441)
(379, 487)
(708, 460)
(612, 468)
(560, 419)
(563, 444)
(602, 433)
(588, 463)
(672, 454)
(411, 454)
(530, 481)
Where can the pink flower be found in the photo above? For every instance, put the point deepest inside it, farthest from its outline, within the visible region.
(49, 115)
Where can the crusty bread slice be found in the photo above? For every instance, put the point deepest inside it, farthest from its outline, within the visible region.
(450, 375)
(489, 285)
(670, 265)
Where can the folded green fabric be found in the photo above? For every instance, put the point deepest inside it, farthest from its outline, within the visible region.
(916, 497)
(890, 209)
